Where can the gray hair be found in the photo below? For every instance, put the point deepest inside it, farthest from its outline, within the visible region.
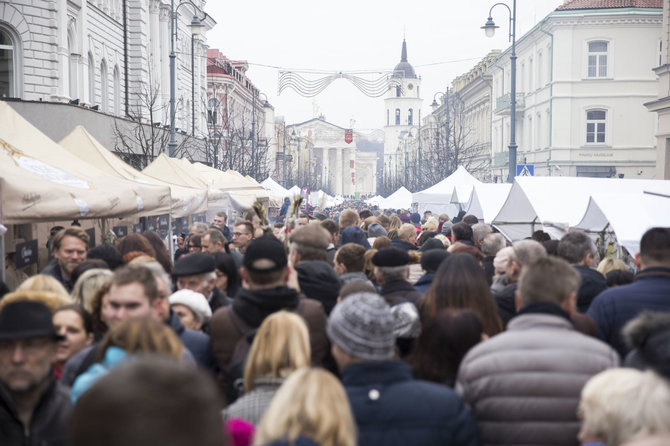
(199, 227)
(159, 273)
(575, 245)
(527, 252)
(492, 244)
(480, 231)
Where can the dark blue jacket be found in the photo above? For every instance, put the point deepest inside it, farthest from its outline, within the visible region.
(612, 308)
(397, 243)
(424, 282)
(196, 342)
(391, 408)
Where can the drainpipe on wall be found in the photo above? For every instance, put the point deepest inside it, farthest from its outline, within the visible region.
(125, 53)
(551, 91)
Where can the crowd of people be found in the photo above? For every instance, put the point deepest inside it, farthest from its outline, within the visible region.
(339, 327)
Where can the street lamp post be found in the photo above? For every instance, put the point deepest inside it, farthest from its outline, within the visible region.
(490, 29)
(196, 25)
(434, 106)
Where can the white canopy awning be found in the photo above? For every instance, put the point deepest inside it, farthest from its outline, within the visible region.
(438, 198)
(400, 199)
(185, 200)
(629, 216)
(41, 181)
(486, 200)
(555, 204)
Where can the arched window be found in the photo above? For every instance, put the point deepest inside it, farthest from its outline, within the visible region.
(72, 66)
(117, 90)
(397, 116)
(398, 90)
(212, 111)
(91, 79)
(7, 65)
(388, 117)
(103, 85)
(410, 116)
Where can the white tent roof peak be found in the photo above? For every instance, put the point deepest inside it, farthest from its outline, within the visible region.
(448, 194)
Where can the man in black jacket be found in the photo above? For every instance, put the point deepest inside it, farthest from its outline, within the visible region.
(579, 250)
(196, 272)
(34, 407)
(392, 271)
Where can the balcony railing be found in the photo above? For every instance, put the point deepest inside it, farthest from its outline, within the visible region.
(503, 103)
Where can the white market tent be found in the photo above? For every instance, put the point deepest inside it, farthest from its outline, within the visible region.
(628, 215)
(374, 201)
(171, 170)
(185, 200)
(400, 199)
(295, 191)
(321, 199)
(42, 181)
(486, 200)
(242, 191)
(275, 187)
(445, 196)
(556, 204)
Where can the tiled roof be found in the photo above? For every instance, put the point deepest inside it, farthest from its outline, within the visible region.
(605, 4)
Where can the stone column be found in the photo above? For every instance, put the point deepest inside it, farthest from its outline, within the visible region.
(164, 53)
(61, 60)
(339, 171)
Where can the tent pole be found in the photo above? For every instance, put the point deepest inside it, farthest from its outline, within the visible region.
(2, 244)
(170, 237)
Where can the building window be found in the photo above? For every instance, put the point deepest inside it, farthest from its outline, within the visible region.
(397, 91)
(597, 60)
(91, 79)
(410, 117)
(397, 116)
(103, 85)
(212, 111)
(595, 126)
(7, 65)
(117, 91)
(388, 117)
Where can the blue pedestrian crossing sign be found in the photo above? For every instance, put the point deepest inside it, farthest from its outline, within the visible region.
(525, 170)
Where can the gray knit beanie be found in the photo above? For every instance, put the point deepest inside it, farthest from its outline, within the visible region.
(362, 326)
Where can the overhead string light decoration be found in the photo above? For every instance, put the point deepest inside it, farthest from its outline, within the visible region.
(311, 87)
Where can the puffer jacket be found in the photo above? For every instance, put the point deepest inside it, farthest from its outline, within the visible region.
(319, 281)
(523, 386)
(391, 408)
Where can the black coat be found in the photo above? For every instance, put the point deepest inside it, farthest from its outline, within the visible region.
(319, 281)
(400, 291)
(593, 283)
(49, 420)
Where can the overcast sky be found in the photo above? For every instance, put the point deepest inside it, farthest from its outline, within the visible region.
(444, 40)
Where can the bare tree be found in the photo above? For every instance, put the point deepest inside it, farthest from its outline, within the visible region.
(230, 138)
(145, 132)
(452, 143)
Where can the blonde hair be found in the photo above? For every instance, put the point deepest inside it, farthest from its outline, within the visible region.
(395, 223)
(143, 335)
(405, 230)
(280, 346)
(88, 283)
(311, 402)
(51, 300)
(618, 405)
(443, 238)
(430, 225)
(43, 282)
(611, 264)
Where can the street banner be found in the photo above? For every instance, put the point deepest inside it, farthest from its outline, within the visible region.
(348, 136)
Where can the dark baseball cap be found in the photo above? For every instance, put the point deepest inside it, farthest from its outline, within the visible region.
(266, 248)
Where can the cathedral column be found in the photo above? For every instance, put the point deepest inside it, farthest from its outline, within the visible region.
(339, 171)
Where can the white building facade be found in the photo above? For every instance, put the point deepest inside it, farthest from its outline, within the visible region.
(320, 155)
(109, 55)
(583, 76)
